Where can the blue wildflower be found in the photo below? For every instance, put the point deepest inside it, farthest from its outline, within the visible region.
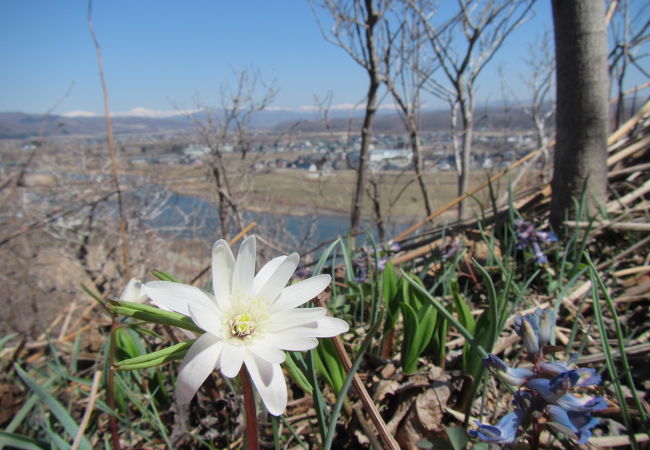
(504, 432)
(587, 404)
(571, 423)
(527, 327)
(394, 246)
(505, 373)
(528, 236)
(551, 390)
(556, 391)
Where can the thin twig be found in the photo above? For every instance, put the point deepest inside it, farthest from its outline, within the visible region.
(459, 199)
(377, 420)
(89, 409)
(111, 145)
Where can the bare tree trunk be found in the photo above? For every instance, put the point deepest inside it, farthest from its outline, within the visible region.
(465, 167)
(417, 164)
(375, 196)
(582, 107)
(373, 69)
(366, 135)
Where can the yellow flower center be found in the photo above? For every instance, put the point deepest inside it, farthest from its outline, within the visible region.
(242, 325)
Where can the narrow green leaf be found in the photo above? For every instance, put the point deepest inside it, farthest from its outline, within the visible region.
(66, 421)
(347, 259)
(298, 375)
(333, 368)
(336, 410)
(55, 439)
(21, 442)
(323, 259)
(156, 358)
(26, 408)
(598, 284)
(409, 351)
(457, 437)
(426, 327)
(93, 295)
(152, 314)
(125, 343)
(445, 313)
(319, 400)
(462, 310)
(6, 339)
(164, 276)
(389, 283)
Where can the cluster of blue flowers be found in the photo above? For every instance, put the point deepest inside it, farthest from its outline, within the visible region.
(528, 236)
(544, 397)
(366, 261)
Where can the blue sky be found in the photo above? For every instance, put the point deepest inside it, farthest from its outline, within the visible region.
(160, 53)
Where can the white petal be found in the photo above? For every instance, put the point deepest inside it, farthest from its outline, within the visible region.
(176, 296)
(325, 327)
(293, 318)
(201, 359)
(223, 263)
(266, 272)
(300, 292)
(207, 318)
(231, 360)
(292, 340)
(134, 292)
(280, 277)
(267, 351)
(244, 270)
(269, 382)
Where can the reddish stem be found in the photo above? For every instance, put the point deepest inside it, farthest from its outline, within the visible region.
(249, 410)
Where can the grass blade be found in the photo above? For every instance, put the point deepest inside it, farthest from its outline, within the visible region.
(21, 442)
(327, 444)
(54, 406)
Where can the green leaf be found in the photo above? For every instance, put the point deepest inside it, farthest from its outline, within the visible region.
(26, 407)
(347, 259)
(336, 410)
(323, 259)
(425, 329)
(457, 437)
(333, 369)
(445, 313)
(409, 351)
(164, 276)
(462, 310)
(152, 314)
(125, 343)
(487, 328)
(389, 283)
(156, 358)
(6, 339)
(66, 421)
(21, 442)
(297, 374)
(394, 304)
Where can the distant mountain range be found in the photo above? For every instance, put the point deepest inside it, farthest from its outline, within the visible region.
(16, 125)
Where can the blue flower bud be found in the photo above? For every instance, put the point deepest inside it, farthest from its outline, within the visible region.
(527, 327)
(503, 432)
(505, 373)
(546, 325)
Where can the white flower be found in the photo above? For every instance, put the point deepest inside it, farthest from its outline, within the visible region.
(133, 292)
(250, 319)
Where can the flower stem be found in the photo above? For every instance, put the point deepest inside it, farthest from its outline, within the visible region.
(249, 409)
